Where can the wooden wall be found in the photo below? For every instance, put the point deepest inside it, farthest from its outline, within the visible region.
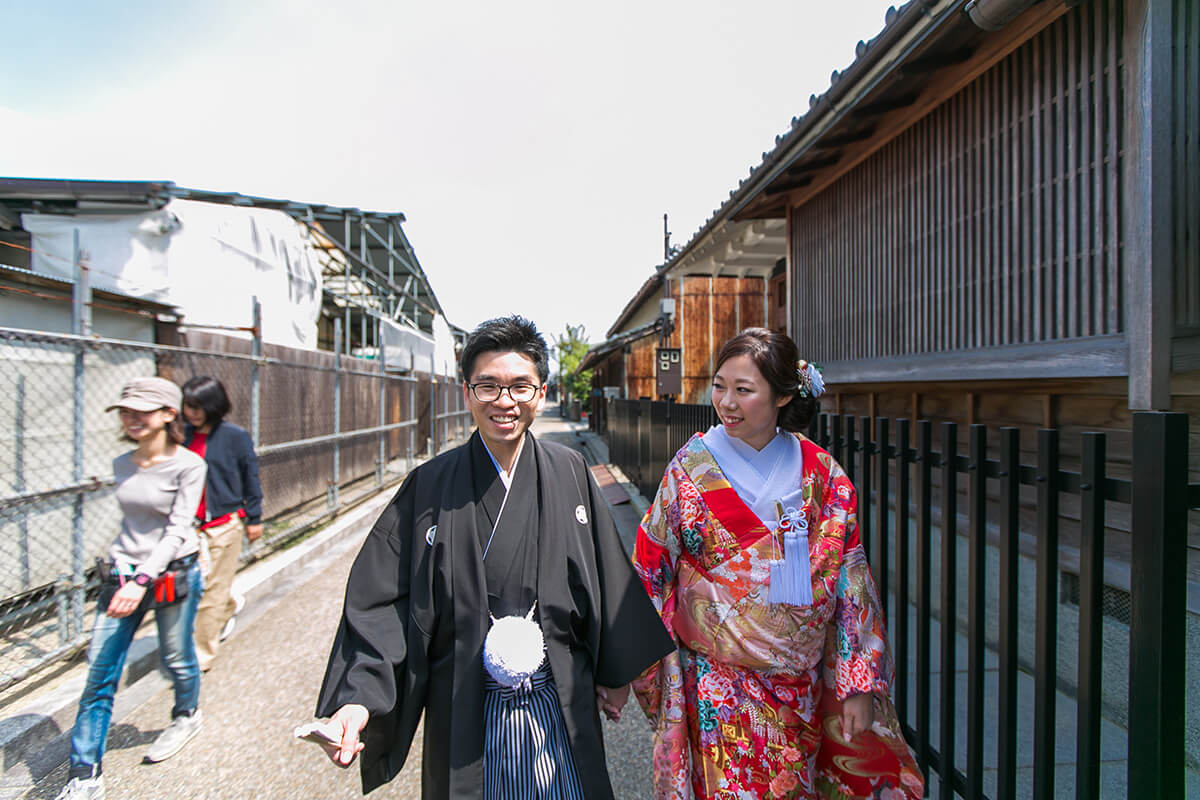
(713, 311)
(708, 311)
(994, 220)
(777, 303)
(1186, 136)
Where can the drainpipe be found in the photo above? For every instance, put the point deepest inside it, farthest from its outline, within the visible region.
(992, 15)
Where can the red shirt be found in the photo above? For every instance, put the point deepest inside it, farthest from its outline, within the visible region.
(198, 445)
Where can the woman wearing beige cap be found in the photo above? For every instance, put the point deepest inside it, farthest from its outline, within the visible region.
(151, 565)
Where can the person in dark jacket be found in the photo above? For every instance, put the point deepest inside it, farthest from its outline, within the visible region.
(232, 502)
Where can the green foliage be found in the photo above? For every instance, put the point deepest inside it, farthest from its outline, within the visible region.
(572, 347)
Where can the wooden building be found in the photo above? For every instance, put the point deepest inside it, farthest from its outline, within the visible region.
(1000, 226)
(732, 278)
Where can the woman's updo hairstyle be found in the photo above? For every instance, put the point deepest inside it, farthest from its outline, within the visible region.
(775, 355)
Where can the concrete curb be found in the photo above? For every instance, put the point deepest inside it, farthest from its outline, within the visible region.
(588, 439)
(35, 738)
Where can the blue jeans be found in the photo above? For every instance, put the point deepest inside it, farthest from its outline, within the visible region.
(106, 659)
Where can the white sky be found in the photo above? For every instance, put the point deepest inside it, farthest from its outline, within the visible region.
(533, 146)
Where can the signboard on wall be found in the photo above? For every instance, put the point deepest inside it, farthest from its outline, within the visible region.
(668, 371)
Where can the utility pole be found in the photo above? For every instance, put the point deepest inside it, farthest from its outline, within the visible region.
(666, 241)
(664, 332)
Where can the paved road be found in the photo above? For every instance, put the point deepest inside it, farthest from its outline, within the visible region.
(264, 684)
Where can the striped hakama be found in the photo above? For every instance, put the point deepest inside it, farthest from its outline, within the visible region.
(526, 755)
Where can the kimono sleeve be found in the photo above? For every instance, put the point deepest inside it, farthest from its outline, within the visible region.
(632, 637)
(369, 663)
(655, 559)
(862, 659)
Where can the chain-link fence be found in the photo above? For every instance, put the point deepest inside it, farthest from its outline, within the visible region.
(329, 430)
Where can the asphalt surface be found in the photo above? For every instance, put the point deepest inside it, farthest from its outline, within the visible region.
(265, 683)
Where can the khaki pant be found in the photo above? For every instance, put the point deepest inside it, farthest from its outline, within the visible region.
(217, 606)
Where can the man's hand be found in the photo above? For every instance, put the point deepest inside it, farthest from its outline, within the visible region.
(858, 715)
(350, 719)
(126, 600)
(253, 532)
(611, 701)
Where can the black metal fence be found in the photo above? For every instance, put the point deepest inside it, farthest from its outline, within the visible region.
(1041, 648)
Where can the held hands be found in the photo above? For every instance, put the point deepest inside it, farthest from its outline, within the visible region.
(858, 715)
(611, 701)
(253, 532)
(350, 719)
(126, 600)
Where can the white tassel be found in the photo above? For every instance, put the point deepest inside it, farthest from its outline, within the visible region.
(514, 650)
(791, 576)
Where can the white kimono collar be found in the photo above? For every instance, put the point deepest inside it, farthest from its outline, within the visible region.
(760, 477)
(505, 477)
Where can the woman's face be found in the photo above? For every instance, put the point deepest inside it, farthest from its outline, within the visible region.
(194, 416)
(142, 425)
(744, 401)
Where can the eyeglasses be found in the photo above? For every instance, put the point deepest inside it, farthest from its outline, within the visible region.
(490, 392)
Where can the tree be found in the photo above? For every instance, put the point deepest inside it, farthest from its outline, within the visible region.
(571, 348)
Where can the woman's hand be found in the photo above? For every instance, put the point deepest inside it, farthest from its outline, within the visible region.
(350, 719)
(126, 600)
(858, 715)
(611, 701)
(254, 531)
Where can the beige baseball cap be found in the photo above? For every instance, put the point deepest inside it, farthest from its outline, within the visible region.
(149, 394)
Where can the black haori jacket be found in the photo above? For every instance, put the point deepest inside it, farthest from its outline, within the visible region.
(417, 604)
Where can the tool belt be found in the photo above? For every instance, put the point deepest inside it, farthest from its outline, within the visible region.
(166, 590)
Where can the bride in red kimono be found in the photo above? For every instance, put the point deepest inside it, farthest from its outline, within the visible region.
(780, 683)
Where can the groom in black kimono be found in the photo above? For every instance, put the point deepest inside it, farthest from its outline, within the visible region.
(497, 527)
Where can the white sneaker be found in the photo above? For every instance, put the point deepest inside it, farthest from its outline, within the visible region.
(239, 602)
(83, 789)
(177, 734)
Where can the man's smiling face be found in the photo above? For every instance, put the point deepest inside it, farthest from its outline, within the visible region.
(503, 422)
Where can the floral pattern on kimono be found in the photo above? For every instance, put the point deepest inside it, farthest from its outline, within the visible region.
(748, 707)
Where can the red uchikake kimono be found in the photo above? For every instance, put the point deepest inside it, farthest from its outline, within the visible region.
(749, 705)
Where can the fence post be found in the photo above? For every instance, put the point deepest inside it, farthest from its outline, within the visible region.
(433, 447)
(864, 493)
(1045, 683)
(412, 417)
(1008, 589)
(900, 625)
(255, 379)
(379, 465)
(882, 560)
(976, 605)
(80, 326)
(19, 480)
(1091, 628)
(948, 606)
(645, 424)
(332, 496)
(924, 587)
(81, 293)
(1158, 575)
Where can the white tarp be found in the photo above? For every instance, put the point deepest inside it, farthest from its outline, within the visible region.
(444, 356)
(407, 349)
(206, 259)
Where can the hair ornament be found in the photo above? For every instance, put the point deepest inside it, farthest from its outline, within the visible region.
(812, 384)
